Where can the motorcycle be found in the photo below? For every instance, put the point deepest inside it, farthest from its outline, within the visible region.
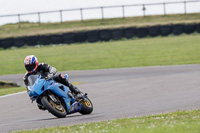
(57, 98)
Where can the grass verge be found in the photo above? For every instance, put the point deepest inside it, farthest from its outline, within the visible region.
(27, 29)
(7, 84)
(173, 50)
(5, 91)
(178, 122)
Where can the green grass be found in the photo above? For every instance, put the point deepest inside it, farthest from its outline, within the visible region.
(27, 29)
(178, 122)
(173, 50)
(5, 91)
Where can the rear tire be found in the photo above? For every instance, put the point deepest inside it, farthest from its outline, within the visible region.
(56, 109)
(86, 107)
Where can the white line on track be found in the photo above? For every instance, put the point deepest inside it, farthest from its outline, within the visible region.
(13, 94)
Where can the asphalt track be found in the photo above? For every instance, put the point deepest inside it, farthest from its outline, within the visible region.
(115, 93)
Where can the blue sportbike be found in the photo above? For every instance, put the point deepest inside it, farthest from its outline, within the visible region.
(57, 98)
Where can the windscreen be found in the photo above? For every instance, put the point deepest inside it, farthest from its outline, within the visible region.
(32, 79)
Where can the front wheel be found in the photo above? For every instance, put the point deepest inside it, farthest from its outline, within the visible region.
(86, 107)
(54, 106)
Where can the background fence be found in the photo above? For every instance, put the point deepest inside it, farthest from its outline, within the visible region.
(122, 11)
(101, 35)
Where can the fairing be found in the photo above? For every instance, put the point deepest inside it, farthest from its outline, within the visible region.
(40, 85)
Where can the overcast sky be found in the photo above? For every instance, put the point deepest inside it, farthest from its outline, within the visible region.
(9, 7)
(26, 6)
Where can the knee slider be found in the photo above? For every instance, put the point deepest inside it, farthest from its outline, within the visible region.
(62, 76)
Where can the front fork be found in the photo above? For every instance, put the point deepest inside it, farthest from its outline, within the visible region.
(72, 105)
(76, 106)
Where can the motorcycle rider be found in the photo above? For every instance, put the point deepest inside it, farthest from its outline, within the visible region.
(33, 67)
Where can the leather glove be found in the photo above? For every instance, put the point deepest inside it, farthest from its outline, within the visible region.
(49, 76)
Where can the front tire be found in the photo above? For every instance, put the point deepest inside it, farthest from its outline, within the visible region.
(86, 107)
(54, 108)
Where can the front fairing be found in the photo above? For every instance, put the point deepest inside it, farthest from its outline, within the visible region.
(41, 85)
(36, 88)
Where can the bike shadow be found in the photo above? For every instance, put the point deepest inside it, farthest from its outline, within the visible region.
(93, 115)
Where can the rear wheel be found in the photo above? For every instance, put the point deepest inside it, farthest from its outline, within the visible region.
(86, 107)
(54, 105)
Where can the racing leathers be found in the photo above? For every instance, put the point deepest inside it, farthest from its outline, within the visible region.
(48, 71)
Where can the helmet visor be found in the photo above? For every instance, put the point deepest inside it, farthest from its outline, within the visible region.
(30, 67)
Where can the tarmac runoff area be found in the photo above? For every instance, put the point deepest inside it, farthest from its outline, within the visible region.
(115, 93)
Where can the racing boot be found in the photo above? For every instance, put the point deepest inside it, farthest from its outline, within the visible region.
(74, 89)
(62, 79)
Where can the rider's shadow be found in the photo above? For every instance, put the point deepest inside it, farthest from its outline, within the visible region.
(89, 116)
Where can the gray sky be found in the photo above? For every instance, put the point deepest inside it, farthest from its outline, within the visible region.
(26, 6)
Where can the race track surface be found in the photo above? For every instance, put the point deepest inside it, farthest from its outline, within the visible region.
(115, 93)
